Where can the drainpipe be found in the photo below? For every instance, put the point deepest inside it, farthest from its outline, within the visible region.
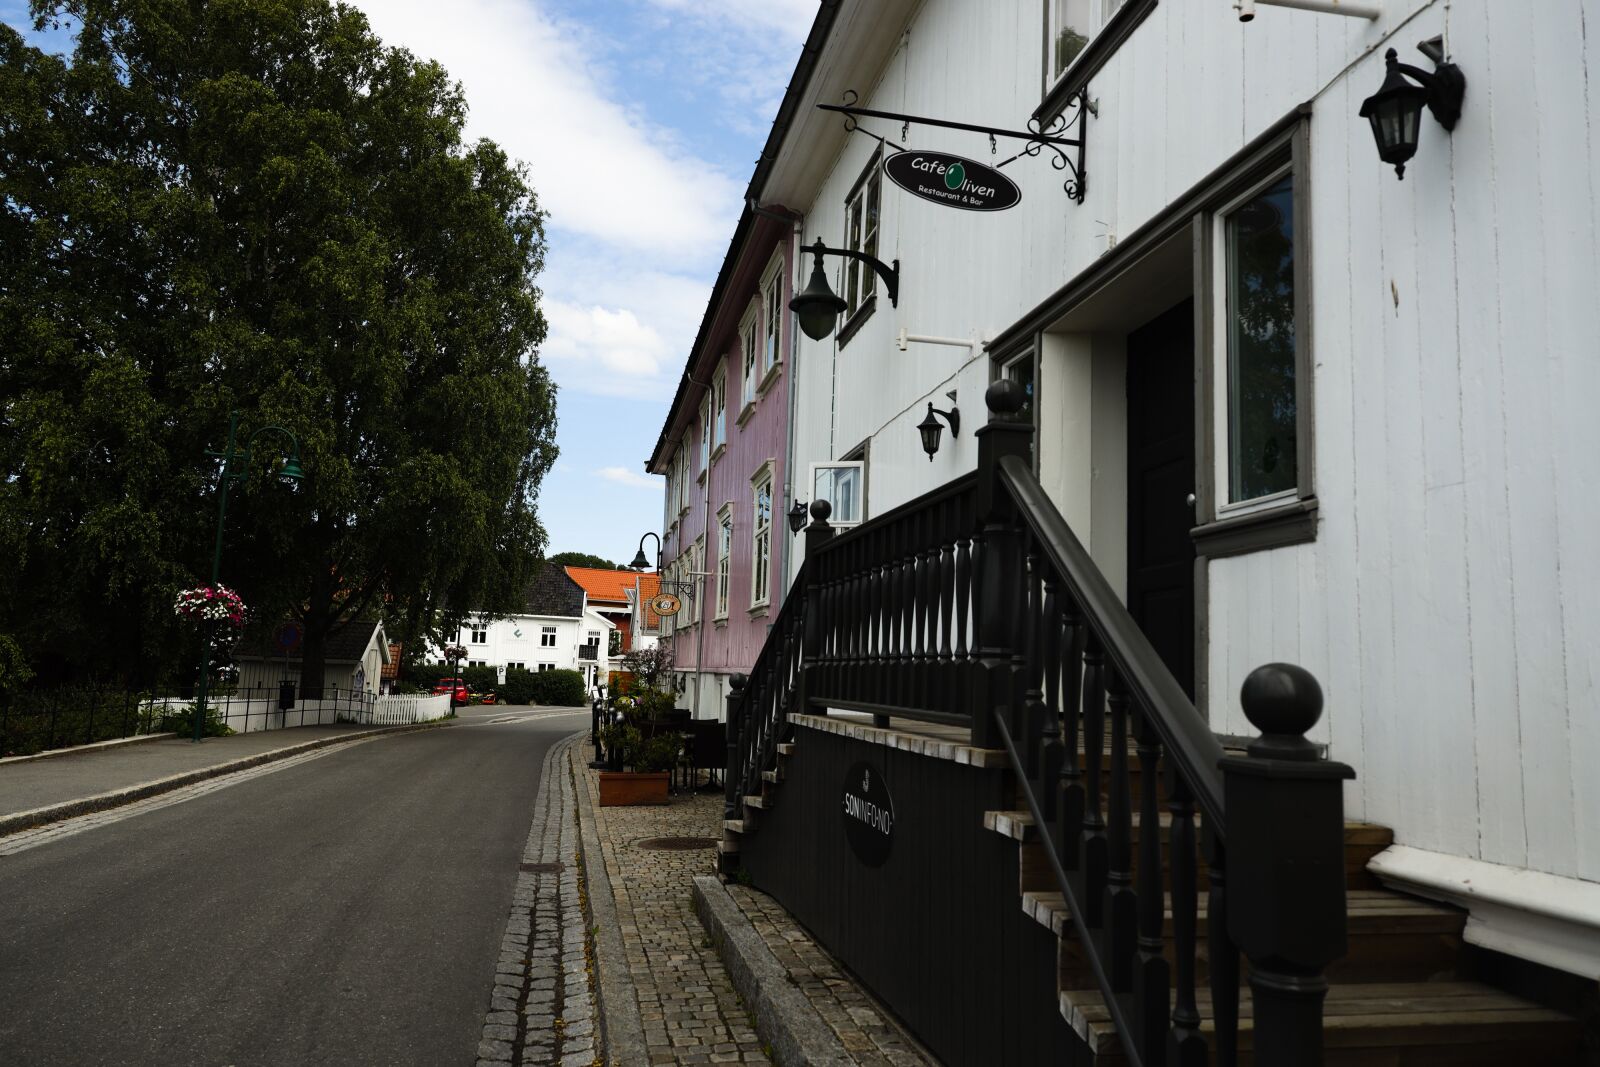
(796, 256)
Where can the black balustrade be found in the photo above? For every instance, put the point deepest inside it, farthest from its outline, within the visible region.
(976, 605)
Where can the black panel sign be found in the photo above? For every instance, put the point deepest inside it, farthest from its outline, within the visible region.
(953, 181)
(868, 814)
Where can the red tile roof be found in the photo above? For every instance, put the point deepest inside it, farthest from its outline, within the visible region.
(611, 586)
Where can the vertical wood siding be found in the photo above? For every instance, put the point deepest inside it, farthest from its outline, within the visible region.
(1451, 601)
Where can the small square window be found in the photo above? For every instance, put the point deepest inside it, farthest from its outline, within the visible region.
(547, 637)
(480, 637)
(842, 486)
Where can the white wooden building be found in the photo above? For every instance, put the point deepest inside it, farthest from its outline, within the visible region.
(1392, 462)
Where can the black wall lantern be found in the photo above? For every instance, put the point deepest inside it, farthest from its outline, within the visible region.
(797, 517)
(1395, 110)
(818, 306)
(929, 427)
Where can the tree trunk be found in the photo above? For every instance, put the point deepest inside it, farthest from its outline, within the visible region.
(313, 657)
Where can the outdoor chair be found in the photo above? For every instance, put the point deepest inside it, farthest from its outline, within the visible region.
(705, 748)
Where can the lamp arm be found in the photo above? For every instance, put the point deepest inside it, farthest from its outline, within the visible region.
(889, 274)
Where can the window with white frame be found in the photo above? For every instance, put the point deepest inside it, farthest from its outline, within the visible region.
(761, 537)
(477, 663)
(772, 316)
(719, 408)
(480, 637)
(1260, 456)
(697, 559)
(683, 475)
(516, 666)
(1069, 24)
(749, 352)
(861, 235)
(724, 552)
(842, 485)
(547, 667)
(705, 435)
(547, 637)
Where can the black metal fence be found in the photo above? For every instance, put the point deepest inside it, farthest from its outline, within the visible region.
(37, 721)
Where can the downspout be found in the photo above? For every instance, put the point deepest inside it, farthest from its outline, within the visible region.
(705, 532)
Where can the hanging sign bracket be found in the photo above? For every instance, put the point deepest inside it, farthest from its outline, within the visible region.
(1036, 138)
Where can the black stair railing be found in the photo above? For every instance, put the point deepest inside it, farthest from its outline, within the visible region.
(976, 604)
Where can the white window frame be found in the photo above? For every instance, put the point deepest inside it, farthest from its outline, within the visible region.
(548, 636)
(719, 409)
(861, 508)
(546, 667)
(1222, 461)
(724, 558)
(860, 280)
(705, 435)
(683, 473)
(761, 538)
(772, 317)
(479, 637)
(697, 558)
(749, 358)
(1097, 12)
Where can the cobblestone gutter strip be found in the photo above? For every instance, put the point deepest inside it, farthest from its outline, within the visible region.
(24, 820)
(623, 1030)
(542, 1009)
(786, 1020)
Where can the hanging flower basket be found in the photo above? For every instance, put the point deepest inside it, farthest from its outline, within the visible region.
(215, 604)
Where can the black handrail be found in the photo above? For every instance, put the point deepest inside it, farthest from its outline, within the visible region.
(1183, 730)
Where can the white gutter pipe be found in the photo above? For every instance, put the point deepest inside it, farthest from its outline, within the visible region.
(1247, 8)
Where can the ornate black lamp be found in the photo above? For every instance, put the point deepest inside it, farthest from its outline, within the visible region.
(818, 306)
(1395, 110)
(930, 428)
(797, 517)
(639, 562)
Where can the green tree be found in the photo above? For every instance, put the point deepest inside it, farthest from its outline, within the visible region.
(583, 559)
(255, 205)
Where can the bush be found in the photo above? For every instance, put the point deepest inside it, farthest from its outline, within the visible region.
(481, 679)
(520, 687)
(562, 689)
(181, 721)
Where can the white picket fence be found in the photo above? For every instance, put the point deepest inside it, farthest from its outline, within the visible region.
(397, 709)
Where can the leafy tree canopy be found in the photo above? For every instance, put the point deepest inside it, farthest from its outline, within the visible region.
(583, 559)
(254, 205)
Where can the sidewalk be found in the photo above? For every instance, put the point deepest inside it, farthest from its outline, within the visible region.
(34, 792)
(670, 978)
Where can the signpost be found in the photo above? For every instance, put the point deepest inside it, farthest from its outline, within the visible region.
(953, 181)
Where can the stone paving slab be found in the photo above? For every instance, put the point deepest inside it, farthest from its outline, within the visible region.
(691, 1012)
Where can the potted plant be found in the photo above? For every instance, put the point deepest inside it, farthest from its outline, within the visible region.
(642, 764)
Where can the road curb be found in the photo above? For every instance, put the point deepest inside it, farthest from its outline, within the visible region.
(34, 817)
(785, 1019)
(84, 750)
(621, 1025)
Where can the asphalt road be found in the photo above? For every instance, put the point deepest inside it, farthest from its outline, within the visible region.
(345, 911)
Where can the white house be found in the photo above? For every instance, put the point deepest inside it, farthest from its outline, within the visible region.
(1296, 408)
(557, 629)
(354, 656)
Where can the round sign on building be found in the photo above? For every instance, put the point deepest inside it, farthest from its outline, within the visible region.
(953, 181)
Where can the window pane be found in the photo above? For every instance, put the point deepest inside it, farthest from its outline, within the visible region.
(1261, 391)
(841, 488)
(1070, 30)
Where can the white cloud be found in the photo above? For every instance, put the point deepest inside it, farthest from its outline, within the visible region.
(791, 19)
(600, 169)
(624, 476)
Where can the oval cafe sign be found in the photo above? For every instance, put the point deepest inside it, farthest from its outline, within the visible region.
(953, 181)
(868, 814)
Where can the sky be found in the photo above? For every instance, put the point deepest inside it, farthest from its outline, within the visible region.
(640, 122)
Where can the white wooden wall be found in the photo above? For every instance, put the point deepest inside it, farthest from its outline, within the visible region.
(1451, 602)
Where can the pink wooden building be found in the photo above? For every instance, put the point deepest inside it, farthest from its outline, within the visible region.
(725, 541)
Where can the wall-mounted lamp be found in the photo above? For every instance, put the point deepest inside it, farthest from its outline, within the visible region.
(930, 429)
(1395, 110)
(797, 517)
(818, 306)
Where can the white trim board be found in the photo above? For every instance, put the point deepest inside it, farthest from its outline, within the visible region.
(1529, 914)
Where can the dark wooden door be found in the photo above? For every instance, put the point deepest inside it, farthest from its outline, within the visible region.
(1160, 479)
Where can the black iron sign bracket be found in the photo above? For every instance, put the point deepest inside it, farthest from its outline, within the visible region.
(1036, 138)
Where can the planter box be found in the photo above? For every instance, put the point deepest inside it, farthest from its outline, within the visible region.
(620, 789)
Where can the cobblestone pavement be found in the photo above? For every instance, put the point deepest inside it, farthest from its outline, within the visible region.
(690, 1010)
(871, 1039)
(542, 1009)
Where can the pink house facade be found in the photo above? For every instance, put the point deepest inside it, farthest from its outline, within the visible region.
(725, 540)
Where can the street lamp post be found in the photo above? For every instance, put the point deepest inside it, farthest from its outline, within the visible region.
(235, 468)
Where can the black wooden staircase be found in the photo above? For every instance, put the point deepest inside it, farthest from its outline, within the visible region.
(1209, 906)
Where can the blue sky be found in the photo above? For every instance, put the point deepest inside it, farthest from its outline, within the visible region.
(640, 122)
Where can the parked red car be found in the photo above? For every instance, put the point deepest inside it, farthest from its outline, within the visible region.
(445, 685)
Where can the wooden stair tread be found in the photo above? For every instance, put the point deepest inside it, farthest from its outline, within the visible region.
(785, 748)
(1367, 910)
(1020, 826)
(733, 825)
(755, 801)
(1372, 1015)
